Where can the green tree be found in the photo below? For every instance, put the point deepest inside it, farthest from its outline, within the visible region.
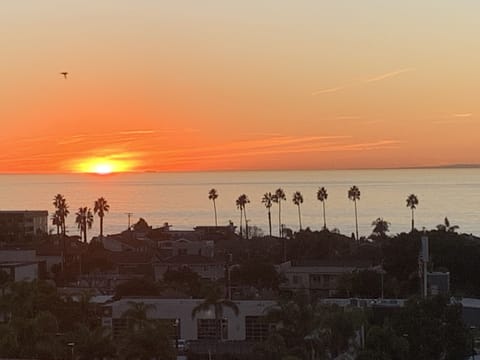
(447, 227)
(4, 281)
(213, 195)
(96, 343)
(354, 195)
(256, 273)
(412, 202)
(433, 327)
(298, 200)
(322, 196)
(382, 343)
(101, 207)
(267, 201)
(311, 330)
(84, 221)
(279, 196)
(147, 343)
(137, 287)
(380, 227)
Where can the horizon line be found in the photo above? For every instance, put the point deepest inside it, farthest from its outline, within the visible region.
(445, 166)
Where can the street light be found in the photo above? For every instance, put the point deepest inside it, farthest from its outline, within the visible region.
(71, 345)
(472, 331)
(176, 324)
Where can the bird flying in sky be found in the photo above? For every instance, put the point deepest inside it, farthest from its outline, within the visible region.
(64, 73)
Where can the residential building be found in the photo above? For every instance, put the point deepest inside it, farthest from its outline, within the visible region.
(20, 226)
(317, 277)
(24, 271)
(205, 267)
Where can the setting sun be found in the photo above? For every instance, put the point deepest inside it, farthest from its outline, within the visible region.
(102, 166)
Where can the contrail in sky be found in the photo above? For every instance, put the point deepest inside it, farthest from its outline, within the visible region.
(370, 80)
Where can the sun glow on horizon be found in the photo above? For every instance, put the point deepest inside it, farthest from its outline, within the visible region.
(103, 166)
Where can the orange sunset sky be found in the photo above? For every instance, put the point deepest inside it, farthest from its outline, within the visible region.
(217, 85)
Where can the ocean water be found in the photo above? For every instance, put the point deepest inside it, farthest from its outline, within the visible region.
(181, 199)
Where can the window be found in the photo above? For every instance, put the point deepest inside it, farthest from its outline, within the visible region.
(256, 328)
(119, 327)
(212, 329)
(296, 279)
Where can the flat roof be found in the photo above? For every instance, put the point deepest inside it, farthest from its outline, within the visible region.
(26, 212)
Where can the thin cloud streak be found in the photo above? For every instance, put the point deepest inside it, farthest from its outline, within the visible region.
(462, 115)
(370, 80)
(329, 90)
(389, 75)
(209, 154)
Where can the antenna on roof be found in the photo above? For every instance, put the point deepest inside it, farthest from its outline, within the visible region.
(129, 214)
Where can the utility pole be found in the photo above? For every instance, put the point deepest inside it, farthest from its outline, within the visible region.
(129, 214)
(423, 265)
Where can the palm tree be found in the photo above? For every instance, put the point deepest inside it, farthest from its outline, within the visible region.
(322, 195)
(412, 202)
(297, 200)
(278, 197)
(84, 220)
(380, 227)
(136, 314)
(267, 201)
(354, 195)
(241, 202)
(213, 300)
(213, 195)
(56, 221)
(101, 207)
(94, 343)
(238, 202)
(61, 211)
(150, 342)
(447, 227)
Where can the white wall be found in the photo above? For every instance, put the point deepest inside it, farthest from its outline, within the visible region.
(17, 255)
(182, 309)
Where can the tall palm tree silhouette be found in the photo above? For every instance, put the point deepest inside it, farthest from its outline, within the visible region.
(101, 207)
(213, 195)
(241, 202)
(412, 202)
(354, 195)
(61, 212)
(267, 201)
(84, 220)
(322, 196)
(298, 200)
(278, 197)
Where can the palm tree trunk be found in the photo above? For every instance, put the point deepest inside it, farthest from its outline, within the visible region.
(241, 223)
(356, 220)
(270, 222)
(246, 222)
(299, 218)
(101, 226)
(324, 218)
(413, 221)
(280, 218)
(215, 211)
